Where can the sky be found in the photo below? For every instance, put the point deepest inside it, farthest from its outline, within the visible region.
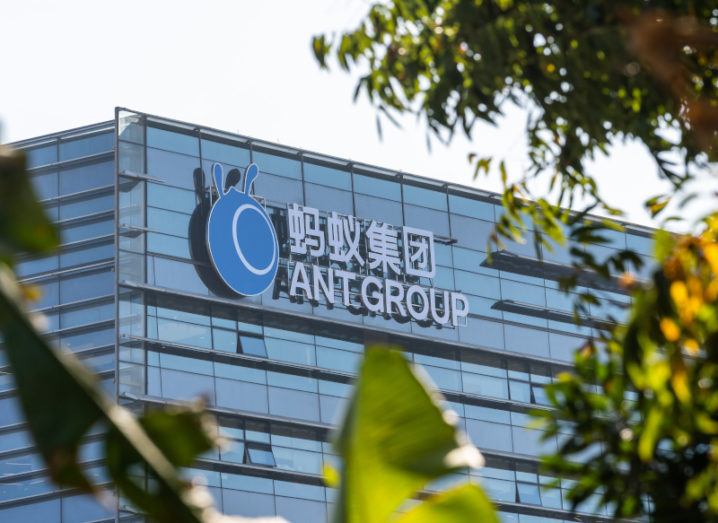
(243, 67)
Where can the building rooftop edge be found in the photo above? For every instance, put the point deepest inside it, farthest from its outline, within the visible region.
(293, 150)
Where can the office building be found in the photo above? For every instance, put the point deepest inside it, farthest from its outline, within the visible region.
(184, 272)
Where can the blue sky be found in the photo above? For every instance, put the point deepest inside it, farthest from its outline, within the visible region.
(243, 67)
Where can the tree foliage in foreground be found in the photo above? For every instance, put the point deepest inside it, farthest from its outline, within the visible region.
(642, 404)
(395, 440)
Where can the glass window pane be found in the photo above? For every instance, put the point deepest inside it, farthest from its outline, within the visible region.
(131, 158)
(528, 493)
(86, 177)
(377, 187)
(172, 141)
(327, 199)
(170, 198)
(86, 286)
(327, 176)
(40, 265)
(173, 168)
(170, 245)
(84, 255)
(225, 153)
(433, 198)
(379, 209)
(260, 455)
(83, 316)
(78, 148)
(76, 208)
(89, 339)
(470, 207)
(471, 233)
(43, 155)
(168, 222)
(87, 230)
(279, 165)
(253, 346)
(278, 189)
(429, 219)
(45, 185)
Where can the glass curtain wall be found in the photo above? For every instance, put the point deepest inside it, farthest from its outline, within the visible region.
(277, 371)
(73, 173)
(133, 293)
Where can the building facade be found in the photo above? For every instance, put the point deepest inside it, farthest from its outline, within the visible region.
(143, 292)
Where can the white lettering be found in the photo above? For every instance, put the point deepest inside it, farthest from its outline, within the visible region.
(378, 304)
(346, 277)
(300, 280)
(321, 286)
(456, 312)
(394, 300)
(440, 319)
(423, 313)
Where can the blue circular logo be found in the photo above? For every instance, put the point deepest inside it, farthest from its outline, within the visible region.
(241, 239)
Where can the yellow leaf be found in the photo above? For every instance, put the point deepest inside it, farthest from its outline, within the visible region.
(679, 293)
(670, 329)
(649, 435)
(331, 476)
(691, 346)
(710, 252)
(679, 380)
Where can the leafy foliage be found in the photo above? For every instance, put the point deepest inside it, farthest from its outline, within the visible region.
(588, 74)
(642, 404)
(62, 401)
(393, 444)
(651, 425)
(394, 441)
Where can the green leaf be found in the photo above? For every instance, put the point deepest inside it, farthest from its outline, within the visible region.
(464, 503)
(650, 433)
(59, 397)
(181, 432)
(24, 226)
(62, 400)
(394, 440)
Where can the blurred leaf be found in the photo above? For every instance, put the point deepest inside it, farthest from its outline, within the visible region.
(463, 503)
(395, 439)
(62, 400)
(24, 226)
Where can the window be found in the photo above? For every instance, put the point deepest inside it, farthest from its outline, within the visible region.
(86, 177)
(45, 185)
(80, 147)
(225, 153)
(326, 198)
(171, 141)
(281, 166)
(87, 229)
(327, 176)
(528, 493)
(471, 207)
(87, 254)
(377, 187)
(170, 198)
(378, 209)
(43, 155)
(173, 168)
(84, 207)
(251, 345)
(433, 198)
(259, 454)
(87, 286)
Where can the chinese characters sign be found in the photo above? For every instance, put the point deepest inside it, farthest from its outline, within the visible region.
(370, 266)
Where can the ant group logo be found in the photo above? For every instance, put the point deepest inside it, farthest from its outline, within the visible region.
(241, 239)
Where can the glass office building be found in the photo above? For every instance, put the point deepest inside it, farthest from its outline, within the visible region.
(135, 292)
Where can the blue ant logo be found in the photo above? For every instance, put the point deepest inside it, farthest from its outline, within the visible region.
(241, 239)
